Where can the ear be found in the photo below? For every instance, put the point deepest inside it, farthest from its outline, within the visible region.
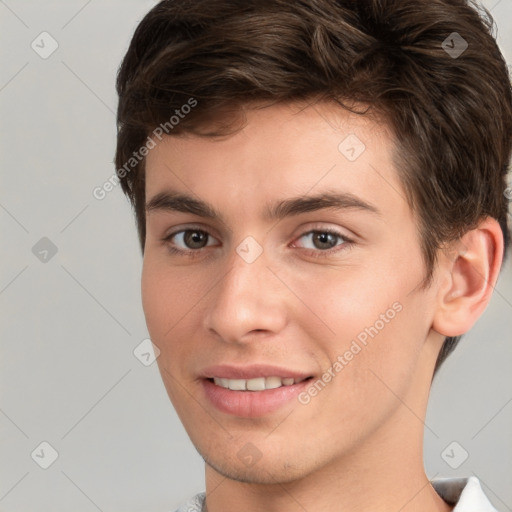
(468, 271)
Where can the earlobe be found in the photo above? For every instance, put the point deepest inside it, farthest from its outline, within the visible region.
(468, 272)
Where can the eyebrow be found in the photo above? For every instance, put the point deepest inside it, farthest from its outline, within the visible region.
(178, 202)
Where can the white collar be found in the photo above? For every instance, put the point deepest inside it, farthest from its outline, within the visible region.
(466, 493)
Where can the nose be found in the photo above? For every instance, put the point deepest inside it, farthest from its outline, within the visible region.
(248, 300)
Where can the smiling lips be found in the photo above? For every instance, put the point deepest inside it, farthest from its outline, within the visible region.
(256, 384)
(252, 391)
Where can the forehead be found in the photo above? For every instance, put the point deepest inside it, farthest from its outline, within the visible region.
(282, 151)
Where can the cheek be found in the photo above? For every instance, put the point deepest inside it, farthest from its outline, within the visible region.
(391, 343)
(167, 308)
(371, 313)
(154, 300)
(346, 301)
(172, 300)
(163, 300)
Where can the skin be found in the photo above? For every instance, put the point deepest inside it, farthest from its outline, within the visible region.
(357, 445)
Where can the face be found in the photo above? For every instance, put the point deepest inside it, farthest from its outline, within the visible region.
(281, 283)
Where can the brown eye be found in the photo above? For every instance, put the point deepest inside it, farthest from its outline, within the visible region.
(189, 239)
(195, 239)
(321, 240)
(324, 240)
(323, 243)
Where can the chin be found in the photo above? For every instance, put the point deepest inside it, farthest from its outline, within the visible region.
(262, 472)
(256, 475)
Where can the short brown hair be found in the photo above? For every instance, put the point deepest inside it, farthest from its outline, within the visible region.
(451, 114)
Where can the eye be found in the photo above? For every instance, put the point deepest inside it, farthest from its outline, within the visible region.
(323, 240)
(189, 240)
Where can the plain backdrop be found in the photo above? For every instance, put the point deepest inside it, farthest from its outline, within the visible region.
(70, 295)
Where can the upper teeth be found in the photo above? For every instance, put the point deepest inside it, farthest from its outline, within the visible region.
(257, 384)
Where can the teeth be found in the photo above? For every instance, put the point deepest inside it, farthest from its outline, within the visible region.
(256, 384)
(237, 384)
(273, 382)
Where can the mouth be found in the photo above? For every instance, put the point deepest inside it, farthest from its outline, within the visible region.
(257, 383)
(252, 391)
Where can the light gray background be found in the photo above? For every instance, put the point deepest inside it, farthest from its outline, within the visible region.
(70, 325)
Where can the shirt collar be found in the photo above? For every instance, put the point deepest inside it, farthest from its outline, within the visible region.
(465, 493)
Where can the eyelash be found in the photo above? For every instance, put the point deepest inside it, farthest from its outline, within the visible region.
(315, 253)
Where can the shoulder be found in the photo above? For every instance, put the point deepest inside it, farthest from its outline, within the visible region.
(194, 504)
(465, 493)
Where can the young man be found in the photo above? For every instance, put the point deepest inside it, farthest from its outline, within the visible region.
(319, 191)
